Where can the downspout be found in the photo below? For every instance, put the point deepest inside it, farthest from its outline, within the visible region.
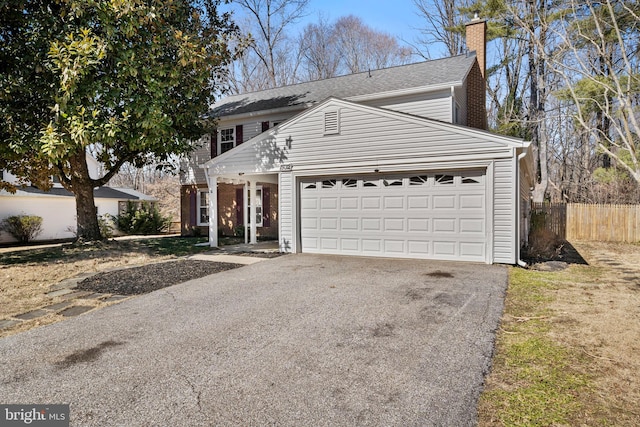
(520, 262)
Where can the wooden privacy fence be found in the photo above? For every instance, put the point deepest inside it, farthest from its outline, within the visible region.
(612, 223)
(555, 217)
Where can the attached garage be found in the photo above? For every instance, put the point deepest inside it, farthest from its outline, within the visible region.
(360, 180)
(439, 215)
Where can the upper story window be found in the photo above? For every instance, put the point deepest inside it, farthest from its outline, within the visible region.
(227, 139)
(1, 174)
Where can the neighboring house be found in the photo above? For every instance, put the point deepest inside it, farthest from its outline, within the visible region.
(394, 162)
(57, 206)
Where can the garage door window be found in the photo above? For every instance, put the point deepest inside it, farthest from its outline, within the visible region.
(444, 179)
(349, 183)
(419, 180)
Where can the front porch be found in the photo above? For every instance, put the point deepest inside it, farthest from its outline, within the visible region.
(244, 206)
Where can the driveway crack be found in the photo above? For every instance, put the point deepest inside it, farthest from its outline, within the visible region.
(197, 393)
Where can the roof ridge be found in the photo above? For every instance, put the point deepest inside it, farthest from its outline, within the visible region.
(350, 74)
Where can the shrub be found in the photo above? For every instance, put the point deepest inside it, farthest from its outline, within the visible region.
(105, 222)
(23, 227)
(144, 218)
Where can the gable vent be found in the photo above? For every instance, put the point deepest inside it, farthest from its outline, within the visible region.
(331, 123)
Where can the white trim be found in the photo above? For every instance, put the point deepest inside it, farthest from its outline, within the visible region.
(213, 212)
(219, 139)
(403, 92)
(199, 207)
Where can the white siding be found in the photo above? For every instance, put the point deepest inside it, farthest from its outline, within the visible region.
(525, 207)
(436, 105)
(373, 139)
(191, 172)
(461, 100)
(286, 212)
(58, 214)
(504, 212)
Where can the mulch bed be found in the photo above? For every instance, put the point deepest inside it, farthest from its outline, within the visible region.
(148, 278)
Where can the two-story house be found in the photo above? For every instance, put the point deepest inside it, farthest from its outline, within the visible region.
(393, 162)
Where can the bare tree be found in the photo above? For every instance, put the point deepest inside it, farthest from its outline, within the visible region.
(600, 65)
(268, 62)
(320, 56)
(362, 48)
(444, 22)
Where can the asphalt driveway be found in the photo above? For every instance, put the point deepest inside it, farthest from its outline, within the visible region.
(296, 340)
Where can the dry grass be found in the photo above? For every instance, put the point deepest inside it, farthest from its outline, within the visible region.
(568, 350)
(27, 275)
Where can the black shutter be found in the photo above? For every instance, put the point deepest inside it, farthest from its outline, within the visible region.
(266, 207)
(240, 206)
(265, 126)
(214, 144)
(193, 206)
(239, 135)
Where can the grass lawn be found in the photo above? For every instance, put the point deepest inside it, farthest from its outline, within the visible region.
(567, 350)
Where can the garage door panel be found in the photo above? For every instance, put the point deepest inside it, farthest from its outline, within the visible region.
(468, 249)
(309, 223)
(402, 216)
(371, 224)
(418, 224)
(468, 225)
(327, 243)
(446, 248)
(472, 201)
(309, 203)
(419, 247)
(444, 225)
(349, 224)
(395, 202)
(371, 202)
(309, 243)
(444, 202)
(329, 224)
(327, 203)
(393, 224)
(352, 245)
(394, 246)
(372, 246)
(418, 202)
(349, 203)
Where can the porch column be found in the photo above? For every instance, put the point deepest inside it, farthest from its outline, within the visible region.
(252, 213)
(213, 211)
(245, 213)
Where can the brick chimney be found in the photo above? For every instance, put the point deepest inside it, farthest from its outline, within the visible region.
(476, 80)
(477, 41)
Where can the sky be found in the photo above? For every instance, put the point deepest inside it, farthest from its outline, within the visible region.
(397, 17)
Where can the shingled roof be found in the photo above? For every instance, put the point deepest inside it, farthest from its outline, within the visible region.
(446, 71)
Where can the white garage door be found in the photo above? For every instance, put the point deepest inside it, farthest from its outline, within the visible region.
(423, 215)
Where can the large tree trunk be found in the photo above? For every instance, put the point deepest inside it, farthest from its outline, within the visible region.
(82, 187)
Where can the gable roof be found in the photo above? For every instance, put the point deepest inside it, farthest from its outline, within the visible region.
(98, 193)
(261, 154)
(439, 72)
